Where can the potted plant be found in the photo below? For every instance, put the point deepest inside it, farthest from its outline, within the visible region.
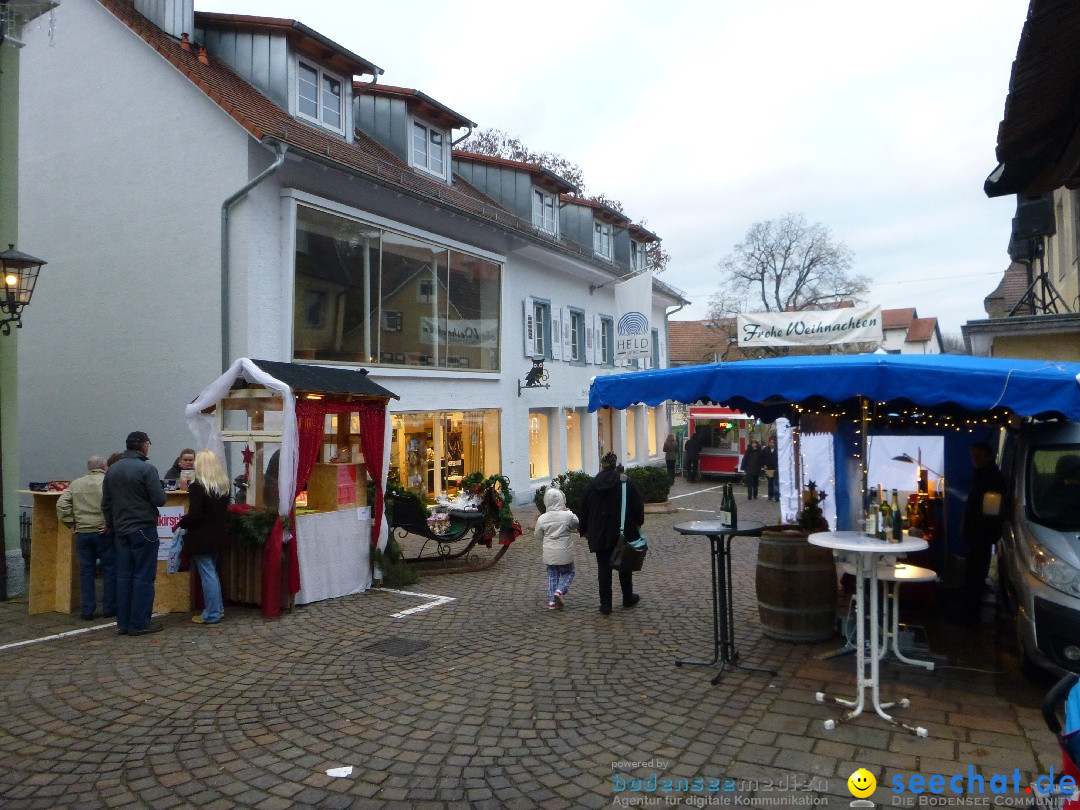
(796, 581)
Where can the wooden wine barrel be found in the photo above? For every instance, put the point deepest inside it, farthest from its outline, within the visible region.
(796, 587)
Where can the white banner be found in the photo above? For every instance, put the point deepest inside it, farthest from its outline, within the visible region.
(811, 328)
(633, 303)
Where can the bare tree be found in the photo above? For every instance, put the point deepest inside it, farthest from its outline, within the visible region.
(496, 143)
(783, 265)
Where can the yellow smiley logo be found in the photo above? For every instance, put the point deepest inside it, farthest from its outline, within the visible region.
(862, 783)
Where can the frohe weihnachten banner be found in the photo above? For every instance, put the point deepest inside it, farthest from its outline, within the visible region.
(811, 328)
(633, 303)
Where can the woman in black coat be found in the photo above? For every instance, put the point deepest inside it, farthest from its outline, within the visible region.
(205, 529)
(600, 514)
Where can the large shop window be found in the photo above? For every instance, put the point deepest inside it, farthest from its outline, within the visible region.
(539, 445)
(368, 295)
(631, 433)
(574, 444)
(430, 452)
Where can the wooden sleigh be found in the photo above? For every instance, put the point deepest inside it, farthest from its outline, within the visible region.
(464, 531)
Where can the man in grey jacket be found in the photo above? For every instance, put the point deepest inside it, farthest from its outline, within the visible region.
(131, 495)
(79, 508)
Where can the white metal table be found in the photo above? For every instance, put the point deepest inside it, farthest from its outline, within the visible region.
(868, 553)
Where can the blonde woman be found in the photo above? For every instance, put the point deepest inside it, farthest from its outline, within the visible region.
(205, 526)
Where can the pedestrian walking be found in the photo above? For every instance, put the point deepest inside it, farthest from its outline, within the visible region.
(671, 455)
(601, 511)
(554, 528)
(751, 464)
(131, 495)
(770, 462)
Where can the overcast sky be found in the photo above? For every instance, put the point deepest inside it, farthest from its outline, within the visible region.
(878, 120)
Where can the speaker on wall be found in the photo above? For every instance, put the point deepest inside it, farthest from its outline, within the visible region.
(1034, 216)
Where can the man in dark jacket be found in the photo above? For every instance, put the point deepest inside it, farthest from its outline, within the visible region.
(980, 528)
(130, 497)
(601, 511)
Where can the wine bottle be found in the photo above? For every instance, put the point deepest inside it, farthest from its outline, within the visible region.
(897, 520)
(884, 519)
(726, 500)
(871, 516)
(734, 508)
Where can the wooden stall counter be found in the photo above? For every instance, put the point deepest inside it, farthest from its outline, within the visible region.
(54, 567)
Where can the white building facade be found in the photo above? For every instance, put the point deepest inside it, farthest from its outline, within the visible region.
(250, 200)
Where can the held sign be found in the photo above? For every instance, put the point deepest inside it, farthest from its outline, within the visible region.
(811, 328)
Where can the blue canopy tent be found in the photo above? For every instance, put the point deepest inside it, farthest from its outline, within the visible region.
(948, 384)
(909, 388)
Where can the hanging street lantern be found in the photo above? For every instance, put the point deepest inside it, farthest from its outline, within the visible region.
(18, 275)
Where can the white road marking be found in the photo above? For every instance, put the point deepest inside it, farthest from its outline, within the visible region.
(435, 600)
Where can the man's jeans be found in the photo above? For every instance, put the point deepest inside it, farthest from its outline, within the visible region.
(211, 588)
(136, 568)
(91, 547)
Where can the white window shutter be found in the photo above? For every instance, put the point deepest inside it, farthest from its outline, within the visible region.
(529, 328)
(590, 343)
(556, 334)
(567, 349)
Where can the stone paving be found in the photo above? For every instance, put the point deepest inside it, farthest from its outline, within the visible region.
(491, 700)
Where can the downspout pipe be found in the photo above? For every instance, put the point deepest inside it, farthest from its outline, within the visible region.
(230, 201)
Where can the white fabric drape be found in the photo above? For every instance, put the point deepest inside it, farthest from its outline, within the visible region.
(204, 426)
(334, 551)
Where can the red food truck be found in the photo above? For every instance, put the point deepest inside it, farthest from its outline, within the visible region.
(726, 435)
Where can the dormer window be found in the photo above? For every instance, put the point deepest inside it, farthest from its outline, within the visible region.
(428, 149)
(544, 211)
(602, 239)
(319, 96)
(637, 256)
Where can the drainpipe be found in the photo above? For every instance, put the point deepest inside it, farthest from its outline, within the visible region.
(280, 148)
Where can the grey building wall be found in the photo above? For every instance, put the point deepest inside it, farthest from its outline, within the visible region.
(510, 188)
(261, 59)
(386, 120)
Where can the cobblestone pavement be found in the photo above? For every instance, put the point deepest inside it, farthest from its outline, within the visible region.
(488, 699)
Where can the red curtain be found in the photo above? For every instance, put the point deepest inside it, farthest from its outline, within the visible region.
(310, 424)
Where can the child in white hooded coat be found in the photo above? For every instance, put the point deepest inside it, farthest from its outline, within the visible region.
(555, 527)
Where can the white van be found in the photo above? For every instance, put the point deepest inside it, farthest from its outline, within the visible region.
(1040, 549)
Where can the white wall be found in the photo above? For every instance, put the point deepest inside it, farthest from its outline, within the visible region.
(124, 164)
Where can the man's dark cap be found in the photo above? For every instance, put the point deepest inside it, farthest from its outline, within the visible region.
(136, 439)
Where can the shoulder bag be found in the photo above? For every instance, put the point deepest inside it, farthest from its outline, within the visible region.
(628, 555)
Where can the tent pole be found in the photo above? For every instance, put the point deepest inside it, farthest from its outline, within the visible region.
(864, 426)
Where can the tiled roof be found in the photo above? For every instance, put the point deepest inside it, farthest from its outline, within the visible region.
(694, 342)
(897, 318)
(1009, 291)
(921, 330)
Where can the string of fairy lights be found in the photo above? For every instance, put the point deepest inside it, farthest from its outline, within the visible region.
(888, 417)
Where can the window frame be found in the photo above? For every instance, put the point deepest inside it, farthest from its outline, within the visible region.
(321, 75)
(602, 233)
(429, 131)
(542, 203)
(638, 256)
(542, 329)
(607, 341)
(577, 337)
